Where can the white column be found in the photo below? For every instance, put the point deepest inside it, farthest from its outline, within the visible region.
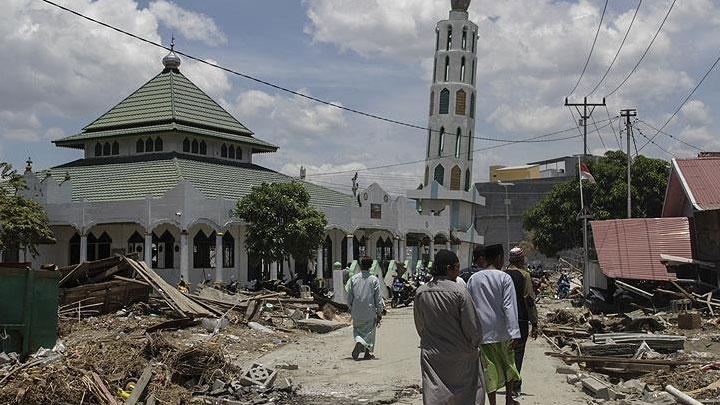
(350, 250)
(403, 249)
(432, 249)
(397, 250)
(239, 251)
(320, 263)
(273, 271)
(241, 256)
(83, 248)
(148, 249)
(218, 257)
(184, 258)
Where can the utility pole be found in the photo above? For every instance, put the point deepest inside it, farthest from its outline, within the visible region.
(627, 113)
(585, 115)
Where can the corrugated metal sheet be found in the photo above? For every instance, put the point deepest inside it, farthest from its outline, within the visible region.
(631, 248)
(702, 177)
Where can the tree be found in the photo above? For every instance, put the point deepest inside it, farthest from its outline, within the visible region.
(553, 222)
(23, 222)
(281, 223)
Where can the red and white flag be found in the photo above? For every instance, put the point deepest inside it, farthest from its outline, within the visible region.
(585, 173)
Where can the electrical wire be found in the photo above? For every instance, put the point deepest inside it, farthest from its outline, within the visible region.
(592, 48)
(602, 79)
(610, 122)
(670, 135)
(684, 101)
(267, 83)
(645, 52)
(653, 142)
(602, 142)
(607, 111)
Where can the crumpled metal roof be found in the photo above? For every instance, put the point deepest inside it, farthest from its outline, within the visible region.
(631, 248)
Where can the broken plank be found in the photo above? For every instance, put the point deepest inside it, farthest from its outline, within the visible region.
(140, 386)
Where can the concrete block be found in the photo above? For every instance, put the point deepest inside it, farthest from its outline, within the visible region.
(632, 387)
(572, 379)
(567, 369)
(260, 375)
(689, 320)
(598, 389)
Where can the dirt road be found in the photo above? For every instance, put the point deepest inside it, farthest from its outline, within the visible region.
(326, 370)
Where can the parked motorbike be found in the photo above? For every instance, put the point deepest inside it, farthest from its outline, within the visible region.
(403, 292)
(563, 286)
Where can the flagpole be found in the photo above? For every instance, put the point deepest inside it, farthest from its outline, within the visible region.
(586, 273)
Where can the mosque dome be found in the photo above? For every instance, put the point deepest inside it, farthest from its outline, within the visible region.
(460, 5)
(171, 61)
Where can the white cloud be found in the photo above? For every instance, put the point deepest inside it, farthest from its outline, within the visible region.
(191, 25)
(696, 112)
(57, 66)
(213, 81)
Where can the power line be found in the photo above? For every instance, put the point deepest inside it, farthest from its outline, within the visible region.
(609, 122)
(684, 101)
(266, 83)
(617, 139)
(602, 142)
(618, 51)
(592, 48)
(654, 143)
(644, 53)
(671, 136)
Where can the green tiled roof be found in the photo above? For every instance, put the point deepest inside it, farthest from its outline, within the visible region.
(136, 179)
(168, 101)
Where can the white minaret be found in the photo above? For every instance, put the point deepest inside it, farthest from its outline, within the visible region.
(452, 101)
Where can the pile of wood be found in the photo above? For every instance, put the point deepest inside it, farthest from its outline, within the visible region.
(660, 343)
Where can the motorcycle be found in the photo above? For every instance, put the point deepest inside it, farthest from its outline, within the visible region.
(403, 292)
(563, 286)
(422, 277)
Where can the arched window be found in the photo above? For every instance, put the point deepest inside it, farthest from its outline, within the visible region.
(434, 69)
(472, 73)
(228, 243)
(473, 42)
(439, 174)
(140, 146)
(98, 248)
(223, 151)
(74, 257)
(432, 102)
(455, 175)
(186, 145)
(115, 148)
(427, 175)
(462, 69)
(158, 144)
(441, 141)
(460, 102)
(472, 105)
(467, 180)
(428, 142)
(458, 137)
(98, 149)
(106, 149)
(449, 38)
(238, 153)
(149, 145)
(201, 250)
(447, 69)
(444, 101)
(231, 152)
(470, 146)
(464, 38)
(166, 251)
(203, 148)
(136, 244)
(195, 146)
(437, 39)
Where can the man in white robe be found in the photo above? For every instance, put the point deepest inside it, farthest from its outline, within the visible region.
(366, 307)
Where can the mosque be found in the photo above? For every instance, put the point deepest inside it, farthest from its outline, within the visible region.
(162, 171)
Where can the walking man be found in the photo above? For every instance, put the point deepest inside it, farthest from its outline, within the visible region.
(366, 308)
(478, 263)
(527, 311)
(493, 294)
(449, 337)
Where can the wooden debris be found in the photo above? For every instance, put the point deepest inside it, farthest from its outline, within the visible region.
(140, 386)
(662, 343)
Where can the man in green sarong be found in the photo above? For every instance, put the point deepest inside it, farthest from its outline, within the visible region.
(366, 308)
(493, 293)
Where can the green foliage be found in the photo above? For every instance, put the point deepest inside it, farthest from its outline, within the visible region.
(553, 222)
(281, 223)
(23, 222)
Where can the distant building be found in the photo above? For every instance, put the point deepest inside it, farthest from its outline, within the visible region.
(512, 173)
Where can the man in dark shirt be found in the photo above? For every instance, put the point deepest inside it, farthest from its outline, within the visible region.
(479, 263)
(527, 311)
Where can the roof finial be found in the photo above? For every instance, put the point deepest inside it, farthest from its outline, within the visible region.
(171, 60)
(28, 166)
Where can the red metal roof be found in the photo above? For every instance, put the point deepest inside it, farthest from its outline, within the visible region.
(631, 248)
(701, 181)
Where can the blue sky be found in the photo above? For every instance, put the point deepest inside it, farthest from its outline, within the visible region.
(373, 55)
